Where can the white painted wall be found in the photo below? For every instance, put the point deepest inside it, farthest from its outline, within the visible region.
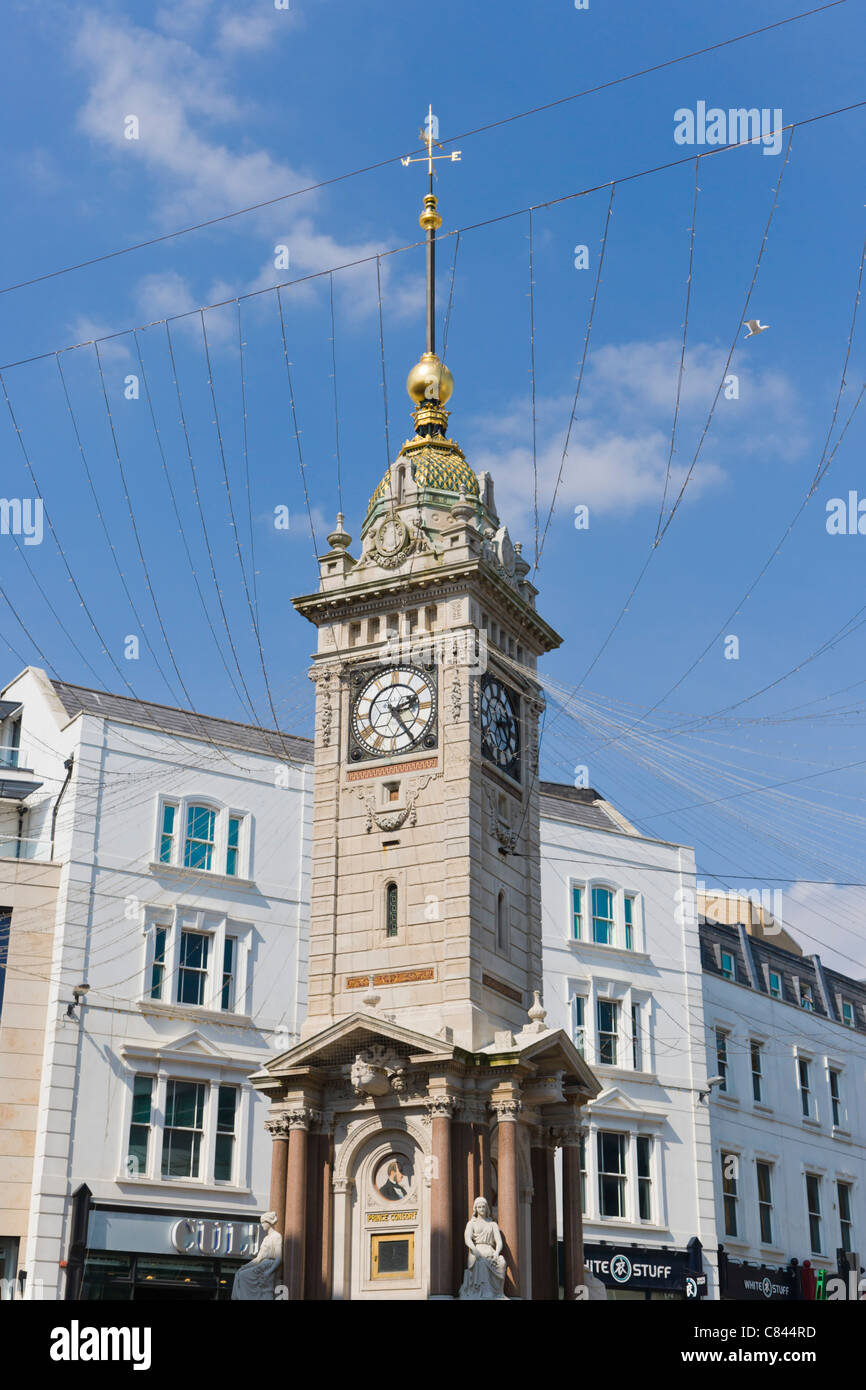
(107, 842)
(776, 1130)
(662, 976)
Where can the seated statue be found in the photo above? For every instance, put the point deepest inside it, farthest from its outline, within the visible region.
(485, 1273)
(257, 1279)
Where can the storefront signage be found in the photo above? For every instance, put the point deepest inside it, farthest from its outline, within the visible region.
(757, 1282)
(193, 1236)
(637, 1268)
(155, 1233)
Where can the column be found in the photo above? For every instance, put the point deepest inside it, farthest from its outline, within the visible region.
(441, 1210)
(508, 1196)
(327, 1249)
(461, 1167)
(544, 1281)
(572, 1219)
(278, 1128)
(299, 1120)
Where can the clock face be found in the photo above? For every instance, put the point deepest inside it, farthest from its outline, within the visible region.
(500, 729)
(394, 710)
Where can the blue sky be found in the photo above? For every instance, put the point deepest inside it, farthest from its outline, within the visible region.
(240, 103)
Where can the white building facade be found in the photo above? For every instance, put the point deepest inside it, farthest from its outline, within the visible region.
(622, 973)
(181, 847)
(786, 1038)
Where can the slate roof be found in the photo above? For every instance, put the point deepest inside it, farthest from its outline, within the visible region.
(791, 969)
(167, 719)
(581, 805)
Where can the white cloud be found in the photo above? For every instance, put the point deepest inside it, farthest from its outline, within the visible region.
(618, 451)
(182, 97)
(835, 920)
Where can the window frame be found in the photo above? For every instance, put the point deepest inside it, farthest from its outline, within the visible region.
(846, 1222)
(721, 1037)
(756, 1049)
(218, 928)
(814, 1217)
(602, 1001)
(729, 972)
(618, 1176)
(765, 1203)
(610, 922)
(730, 1191)
(224, 816)
(775, 993)
(161, 1067)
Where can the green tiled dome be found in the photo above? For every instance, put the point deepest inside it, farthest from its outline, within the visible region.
(436, 470)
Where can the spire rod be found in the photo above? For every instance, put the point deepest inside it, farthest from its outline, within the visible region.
(430, 218)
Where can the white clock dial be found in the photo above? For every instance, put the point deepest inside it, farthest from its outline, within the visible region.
(393, 711)
(500, 732)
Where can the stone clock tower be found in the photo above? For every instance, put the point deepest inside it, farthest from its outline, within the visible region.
(425, 1076)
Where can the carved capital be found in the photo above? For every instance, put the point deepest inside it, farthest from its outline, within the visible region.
(278, 1127)
(568, 1134)
(505, 1110)
(303, 1117)
(440, 1106)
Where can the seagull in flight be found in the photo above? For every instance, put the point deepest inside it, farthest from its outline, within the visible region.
(755, 326)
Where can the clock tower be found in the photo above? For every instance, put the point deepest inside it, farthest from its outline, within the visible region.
(425, 967)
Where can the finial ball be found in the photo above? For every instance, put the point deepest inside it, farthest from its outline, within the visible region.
(429, 380)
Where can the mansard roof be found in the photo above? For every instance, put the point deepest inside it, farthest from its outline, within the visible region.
(754, 957)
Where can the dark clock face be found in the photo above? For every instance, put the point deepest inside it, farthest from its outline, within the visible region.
(500, 726)
(394, 710)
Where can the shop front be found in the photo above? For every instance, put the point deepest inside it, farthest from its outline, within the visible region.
(647, 1274)
(145, 1253)
(761, 1283)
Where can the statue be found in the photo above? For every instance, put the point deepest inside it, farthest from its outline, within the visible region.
(485, 1273)
(255, 1280)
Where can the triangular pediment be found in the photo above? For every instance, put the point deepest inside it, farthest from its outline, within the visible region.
(341, 1042)
(555, 1050)
(613, 1098)
(194, 1042)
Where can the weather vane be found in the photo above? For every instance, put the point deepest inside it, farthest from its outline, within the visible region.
(429, 137)
(430, 218)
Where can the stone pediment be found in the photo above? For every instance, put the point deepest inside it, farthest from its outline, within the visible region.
(554, 1051)
(340, 1044)
(617, 1101)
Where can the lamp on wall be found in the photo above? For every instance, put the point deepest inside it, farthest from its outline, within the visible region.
(78, 994)
(711, 1082)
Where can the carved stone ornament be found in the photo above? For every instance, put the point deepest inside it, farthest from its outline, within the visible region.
(278, 1127)
(302, 1117)
(376, 1071)
(393, 820)
(390, 543)
(506, 1109)
(456, 699)
(475, 694)
(438, 1106)
(500, 828)
(323, 686)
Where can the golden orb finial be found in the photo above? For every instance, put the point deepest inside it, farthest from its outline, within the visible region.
(429, 380)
